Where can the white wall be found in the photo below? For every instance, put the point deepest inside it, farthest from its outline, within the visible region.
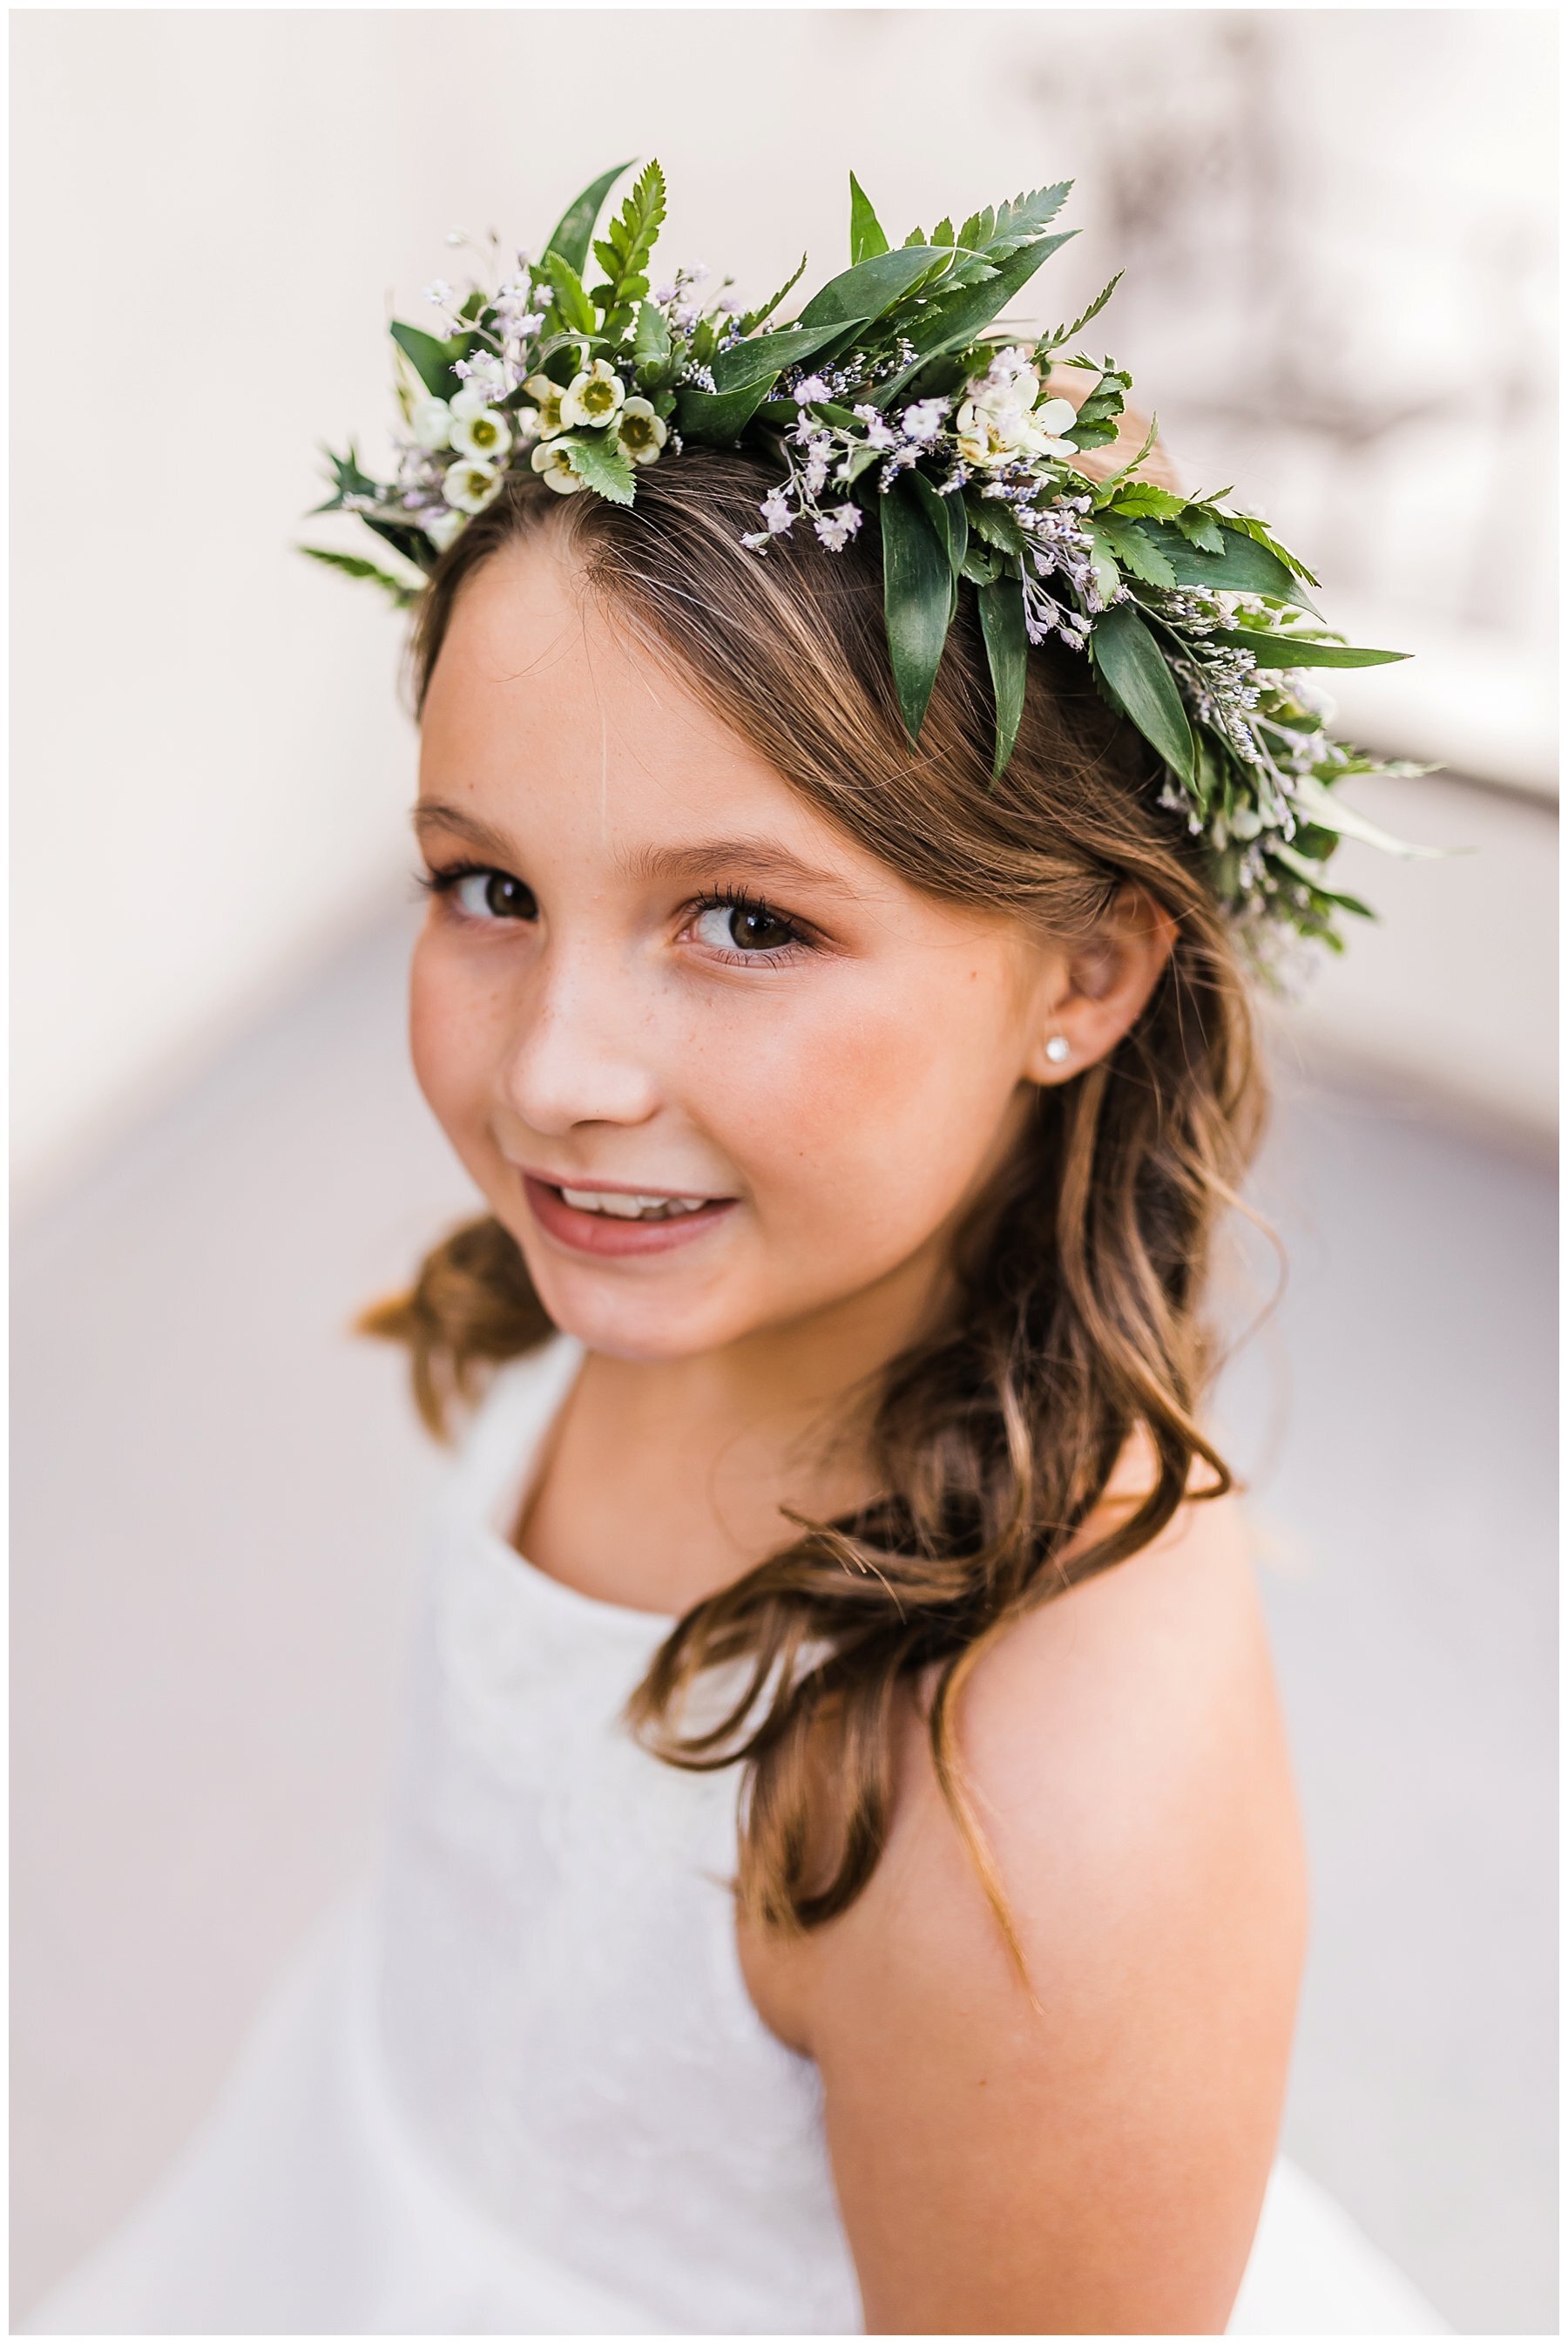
(1338, 229)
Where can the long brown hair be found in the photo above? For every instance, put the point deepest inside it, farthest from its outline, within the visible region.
(1078, 1284)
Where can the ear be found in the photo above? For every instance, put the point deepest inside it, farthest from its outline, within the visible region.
(1104, 987)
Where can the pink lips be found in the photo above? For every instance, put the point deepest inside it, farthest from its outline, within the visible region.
(597, 1232)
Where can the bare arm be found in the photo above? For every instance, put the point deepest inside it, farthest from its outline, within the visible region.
(1096, 2167)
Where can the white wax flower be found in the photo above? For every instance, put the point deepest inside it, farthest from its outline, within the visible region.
(547, 396)
(470, 487)
(431, 423)
(553, 460)
(640, 432)
(593, 397)
(486, 436)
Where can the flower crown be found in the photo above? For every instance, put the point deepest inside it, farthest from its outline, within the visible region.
(893, 398)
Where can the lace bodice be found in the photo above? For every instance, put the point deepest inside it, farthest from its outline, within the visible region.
(560, 2008)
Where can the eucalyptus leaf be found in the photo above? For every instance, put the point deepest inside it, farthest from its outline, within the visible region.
(764, 357)
(1002, 616)
(953, 321)
(946, 515)
(872, 286)
(1323, 807)
(1244, 567)
(432, 359)
(1299, 651)
(917, 590)
(573, 237)
(719, 417)
(572, 305)
(1133, 666)
(867, 237)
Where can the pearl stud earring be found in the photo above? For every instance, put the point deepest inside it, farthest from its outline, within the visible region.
(1057, 1048)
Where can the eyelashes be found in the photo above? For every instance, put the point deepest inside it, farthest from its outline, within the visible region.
(745, 929)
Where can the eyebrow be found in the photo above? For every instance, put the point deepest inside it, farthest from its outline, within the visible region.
(764, 858)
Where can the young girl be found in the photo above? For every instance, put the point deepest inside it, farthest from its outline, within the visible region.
(845, 1872)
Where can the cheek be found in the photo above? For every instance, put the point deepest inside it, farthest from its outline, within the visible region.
(877, 1112)
(453, 1028)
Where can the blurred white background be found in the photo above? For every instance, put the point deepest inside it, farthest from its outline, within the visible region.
(1338, 231)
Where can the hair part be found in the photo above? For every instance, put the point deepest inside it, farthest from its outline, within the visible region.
(1076, 1313)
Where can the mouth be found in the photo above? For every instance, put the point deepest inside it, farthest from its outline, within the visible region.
(597, 1218)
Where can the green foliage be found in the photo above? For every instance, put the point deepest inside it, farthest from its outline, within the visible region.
(1132, 551)
(916, 602)
(867, 238)
(994, 524)
(623, 253)
(432, 360)
(1134, 668)
(946, 515)
(351, 481)
(1287, 650)
(955, 320)
(1249, 525)
(1320, 806)
(651, 349)
(573, 233)
(873, 286)
(755, 317)
(572, 311)
(1059, 335)
(402, 594)
(1244, 566)
(1200, 528)
(597, 460)
(1006, 638)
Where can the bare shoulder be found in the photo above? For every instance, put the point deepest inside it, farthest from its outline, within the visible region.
(1108, 2129)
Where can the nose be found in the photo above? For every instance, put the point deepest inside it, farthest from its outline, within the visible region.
(580, 1051)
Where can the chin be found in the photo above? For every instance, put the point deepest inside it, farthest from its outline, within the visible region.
(639, 1322)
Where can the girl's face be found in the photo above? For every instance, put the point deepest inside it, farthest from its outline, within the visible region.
(651, 971)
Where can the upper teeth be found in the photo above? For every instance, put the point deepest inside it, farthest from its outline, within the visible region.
(626, 1208)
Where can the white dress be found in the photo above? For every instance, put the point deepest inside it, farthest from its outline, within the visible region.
(516, 2084)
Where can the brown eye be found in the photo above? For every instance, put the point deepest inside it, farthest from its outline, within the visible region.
(496, 895)
(745, 927)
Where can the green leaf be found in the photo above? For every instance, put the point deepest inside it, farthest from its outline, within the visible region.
(755, 317)
(1200, 528)
(990, 519)
(597, 460)
(1027, 216)
(946, 515)
(353, 566)
(1311, 873)
(1323, 807)
(572, 306)
(867, 238)
(979, 566)
(1141, 500)
(1244, 567)
(764, 357)
(719, 417)
(650, 347)
(952, 322)
(574, 230)
(872, 286)
(432, 359)
(1132, 551)
(1060, 333)
(917, 598)
(624, 252)
(1132, 667)
(351, 481)
(1298, 650)
(1007, 649)
(1251, 526)
(411, 543)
